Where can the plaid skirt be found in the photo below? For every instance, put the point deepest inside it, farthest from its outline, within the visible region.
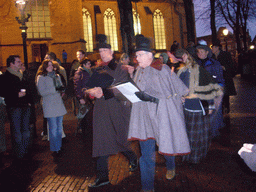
(198, 130)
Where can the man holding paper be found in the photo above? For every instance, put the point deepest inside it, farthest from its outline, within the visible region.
(158, 119)
(110, 116)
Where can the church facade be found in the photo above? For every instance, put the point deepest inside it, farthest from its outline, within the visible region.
(71, 25)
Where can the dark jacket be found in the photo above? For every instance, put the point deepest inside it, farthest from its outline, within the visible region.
(11, 88)
(81, 77)
(214, 68)
(226, 61)
(111, 117)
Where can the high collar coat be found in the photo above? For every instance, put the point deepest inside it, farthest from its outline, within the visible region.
(111, 117)
(163, 122)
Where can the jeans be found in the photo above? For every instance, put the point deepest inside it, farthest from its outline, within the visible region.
(147, 163)
(20, 130)
(55, 132)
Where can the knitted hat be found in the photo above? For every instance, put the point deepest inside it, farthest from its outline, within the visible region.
(202, 44)
(179, 52)
(165, 57)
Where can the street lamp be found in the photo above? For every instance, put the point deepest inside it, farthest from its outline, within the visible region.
(225, 33)
(21, 4)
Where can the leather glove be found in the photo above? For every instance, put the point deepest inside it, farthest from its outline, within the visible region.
(145, 97)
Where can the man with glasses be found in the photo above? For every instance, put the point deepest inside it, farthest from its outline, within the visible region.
(18, 104)
(158, 119)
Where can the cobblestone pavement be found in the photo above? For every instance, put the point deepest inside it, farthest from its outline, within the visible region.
(222, 170)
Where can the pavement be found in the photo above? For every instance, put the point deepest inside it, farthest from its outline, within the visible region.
(221, 170)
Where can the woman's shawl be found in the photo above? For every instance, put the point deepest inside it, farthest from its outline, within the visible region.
(201, 83)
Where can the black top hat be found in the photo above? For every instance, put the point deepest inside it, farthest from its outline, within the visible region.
(142, 44)
(216, 43)
(102, 41)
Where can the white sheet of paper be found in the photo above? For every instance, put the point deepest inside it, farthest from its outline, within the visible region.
(128, 90)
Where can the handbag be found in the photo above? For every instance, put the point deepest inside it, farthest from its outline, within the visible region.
(83, 109)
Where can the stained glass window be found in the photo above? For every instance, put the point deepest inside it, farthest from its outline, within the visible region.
(110, 28)
(88, 36)
(159, 30)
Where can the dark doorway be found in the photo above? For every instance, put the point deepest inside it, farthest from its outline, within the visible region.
(38, 52)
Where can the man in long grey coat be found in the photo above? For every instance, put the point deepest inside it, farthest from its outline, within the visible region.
(110, 119)
(158, 119)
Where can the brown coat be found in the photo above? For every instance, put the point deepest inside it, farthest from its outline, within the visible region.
(111, 118)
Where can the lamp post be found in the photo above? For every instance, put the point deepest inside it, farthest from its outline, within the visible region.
(21, 4)
(225, 33)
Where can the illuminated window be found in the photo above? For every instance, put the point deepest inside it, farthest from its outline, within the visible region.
(87, 21)
(110, 28)
(159, 30)
(39, 22)
(136, 22)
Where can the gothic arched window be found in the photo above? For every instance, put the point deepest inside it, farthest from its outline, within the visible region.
(39, 22)
(136, 22)
(88, 36)
(110, 28)
(159, 30)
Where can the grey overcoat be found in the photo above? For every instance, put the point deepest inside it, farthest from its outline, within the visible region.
(163, 122)
(53, 105)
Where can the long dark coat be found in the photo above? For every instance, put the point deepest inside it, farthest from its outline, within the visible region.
(111, 118)
(225, 60)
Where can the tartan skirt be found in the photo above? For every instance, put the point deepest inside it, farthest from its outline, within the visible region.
(198, 130)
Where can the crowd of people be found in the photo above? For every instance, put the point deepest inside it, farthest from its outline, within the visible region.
(181, 95)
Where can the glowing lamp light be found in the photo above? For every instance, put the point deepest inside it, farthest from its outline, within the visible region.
(225, 32)
(22, 2)
(252, 47)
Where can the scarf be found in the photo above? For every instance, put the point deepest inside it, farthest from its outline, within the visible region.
(56, 81)
(16, 73)
(203, 61)
(104, 63)
(88, 71)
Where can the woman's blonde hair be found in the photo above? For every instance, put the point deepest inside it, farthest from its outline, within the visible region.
(190, 60)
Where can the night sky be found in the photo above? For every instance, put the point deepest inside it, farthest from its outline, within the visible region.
(203, 27)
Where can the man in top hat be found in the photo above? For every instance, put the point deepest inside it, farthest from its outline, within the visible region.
(110, 117)
(158, 118)
(228, 67)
